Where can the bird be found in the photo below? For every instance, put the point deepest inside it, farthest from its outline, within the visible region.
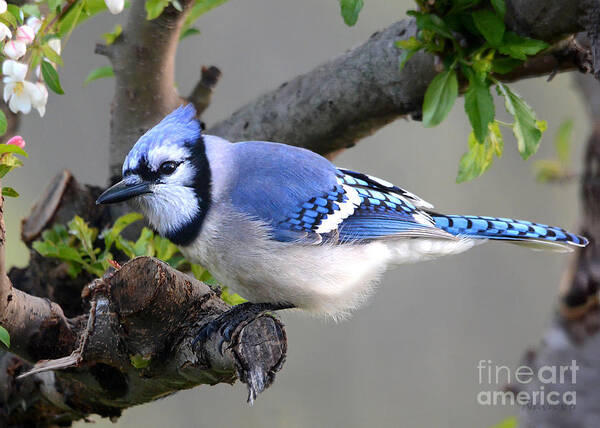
(284, 227)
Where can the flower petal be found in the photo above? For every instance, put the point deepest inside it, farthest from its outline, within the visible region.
(4, 30)
(8, 91)
(17, 140)
(15, 49)
(21, 102)
(25, 34)
(115, 6)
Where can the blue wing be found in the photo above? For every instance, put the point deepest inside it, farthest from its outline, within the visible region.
(303, 197)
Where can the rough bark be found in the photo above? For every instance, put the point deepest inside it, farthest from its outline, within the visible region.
(135, 345)
(147, 311)
(573, 333)
(340, 102)
(143, 58)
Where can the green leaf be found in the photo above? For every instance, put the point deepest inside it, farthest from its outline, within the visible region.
(519, 47)
(119, 225)
(479, 106)
(99, 73)
(9, 19)
(65, 252)
(410, 44)
(505, 65)
(140, 361)
(16, 12)
(350, 10)
(189, 32)
(439, 98)
(490, 25)
(4, 169)
(31, 10)
(563, 141)
(526, 127)
(76, 15)
(51, 77)
(426, 21)
(164, 249)
(11, 148)
(4, 337)
(480, 155)
(10, 192)
(3, 123)
(110, 37)
(199, 9)
(143, 246)
(547, 170)
(53, 5)
(85, 234)
(409, 47)
(500, 8)
(482, 65)
(154, 8)
(403, 58)
(125, 246)
(203, 275)
(230, 298)
(51, 54)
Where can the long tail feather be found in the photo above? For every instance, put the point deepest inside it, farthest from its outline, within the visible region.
(523, 232)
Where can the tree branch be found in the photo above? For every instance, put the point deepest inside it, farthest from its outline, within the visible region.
(202, 93)
(574, 331)
(143, 59)
(146, 314)
(342, 101)
(135, 345)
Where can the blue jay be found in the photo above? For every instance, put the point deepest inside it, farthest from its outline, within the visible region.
(284, 227)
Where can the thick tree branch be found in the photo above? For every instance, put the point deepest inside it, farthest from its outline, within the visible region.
(135, 345)
(573, 333)
(340, 102)
(143, 59)
(146, 314)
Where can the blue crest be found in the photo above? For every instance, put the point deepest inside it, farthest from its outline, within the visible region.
(178, 129)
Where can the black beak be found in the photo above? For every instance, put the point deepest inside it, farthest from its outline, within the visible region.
(122, 191)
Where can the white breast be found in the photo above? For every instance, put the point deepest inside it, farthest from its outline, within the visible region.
(326, 279)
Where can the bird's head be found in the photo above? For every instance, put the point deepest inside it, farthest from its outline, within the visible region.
(166, 175)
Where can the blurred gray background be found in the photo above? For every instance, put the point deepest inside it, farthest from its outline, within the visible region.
(408, 358)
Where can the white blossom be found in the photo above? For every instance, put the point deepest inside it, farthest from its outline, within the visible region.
(14, 49)
(25, 34)
(55, 45)
(40, 102)
(4, 31)
(20, 94)
(34, 23)
(3, 6)
(115, 6)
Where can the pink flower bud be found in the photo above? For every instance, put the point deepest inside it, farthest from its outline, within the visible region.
(17, 140)
(25, 34)
(14, 49)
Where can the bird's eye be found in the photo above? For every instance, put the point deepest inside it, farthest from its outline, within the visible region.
(168, 167)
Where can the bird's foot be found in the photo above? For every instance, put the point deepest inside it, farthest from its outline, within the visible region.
(227, 322)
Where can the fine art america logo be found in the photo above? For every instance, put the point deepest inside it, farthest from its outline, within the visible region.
(542, 387)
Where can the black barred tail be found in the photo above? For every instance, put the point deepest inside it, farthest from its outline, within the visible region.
(522, 232)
